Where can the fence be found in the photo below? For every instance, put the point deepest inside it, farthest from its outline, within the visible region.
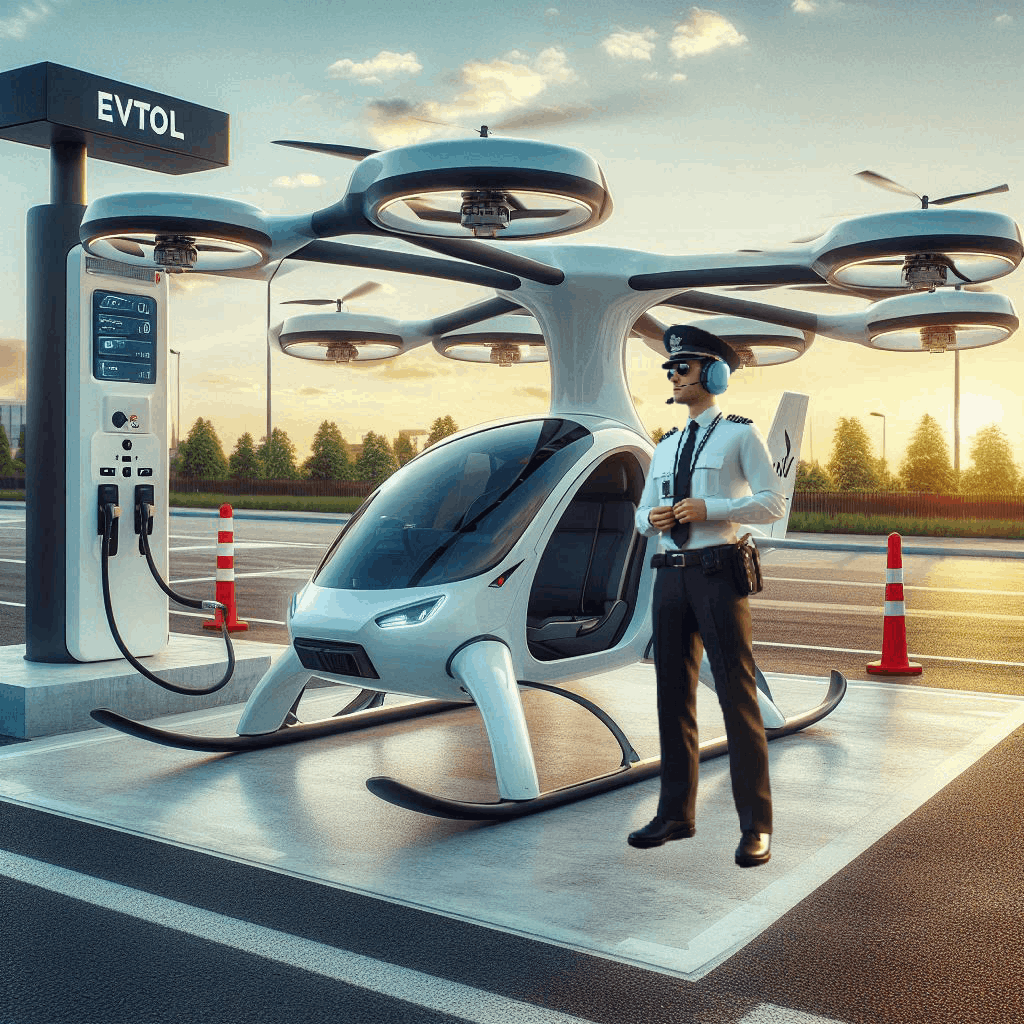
(298, 488)
(829, 503)
(920, 506)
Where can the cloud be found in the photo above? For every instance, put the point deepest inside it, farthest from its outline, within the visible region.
(484, 89)
(17, 26)
(542, 393)
(312, 392)
(678, 77)
(552, 12)
(824, 7)
(804, 6)
(630, 45)
(387, 64)
(12, 370)
(303, 180)
(703, 32)
(1004, 19)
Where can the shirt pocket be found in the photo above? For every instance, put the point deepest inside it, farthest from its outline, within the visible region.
(707, 476)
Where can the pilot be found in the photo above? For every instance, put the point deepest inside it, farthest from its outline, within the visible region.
(703, 482)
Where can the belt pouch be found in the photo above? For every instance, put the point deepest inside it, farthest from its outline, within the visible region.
(747, 567)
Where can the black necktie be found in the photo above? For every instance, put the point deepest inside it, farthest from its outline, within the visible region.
(681, 531)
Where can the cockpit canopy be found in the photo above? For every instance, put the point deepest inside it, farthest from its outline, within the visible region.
(456, 510)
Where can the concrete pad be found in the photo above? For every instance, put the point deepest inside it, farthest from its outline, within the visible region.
(565, 876)
(42, 699)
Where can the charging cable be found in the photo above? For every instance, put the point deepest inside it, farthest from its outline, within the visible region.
(111, 512)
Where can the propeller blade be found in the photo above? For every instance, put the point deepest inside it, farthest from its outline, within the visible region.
(360, 290)
(128, 246)
(309, 302)
(426, 211)
(215, 248)
(873, 178)
(349, 152)
(523, 213)
(968, 195)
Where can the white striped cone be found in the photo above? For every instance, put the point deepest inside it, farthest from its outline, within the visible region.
(226, 574)
(894, 628)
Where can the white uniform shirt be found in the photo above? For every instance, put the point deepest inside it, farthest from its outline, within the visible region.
(733, 474)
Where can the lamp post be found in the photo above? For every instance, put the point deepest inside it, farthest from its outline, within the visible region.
(176, 433)
(882, 414)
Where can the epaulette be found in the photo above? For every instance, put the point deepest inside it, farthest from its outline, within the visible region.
(738, 419)
(674, 430)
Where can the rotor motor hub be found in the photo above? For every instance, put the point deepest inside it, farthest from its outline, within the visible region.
(176, 252)
(505, 354)
(485, 213)
(938, 338)
(924, 271)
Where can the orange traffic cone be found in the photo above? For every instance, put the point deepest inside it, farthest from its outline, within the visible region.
(226, 574)
(894, 630)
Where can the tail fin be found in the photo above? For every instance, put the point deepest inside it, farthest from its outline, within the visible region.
(784, 439)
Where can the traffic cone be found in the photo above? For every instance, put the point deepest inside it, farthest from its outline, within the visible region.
(894, 630)
(226, 574)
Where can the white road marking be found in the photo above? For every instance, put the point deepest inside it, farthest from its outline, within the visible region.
(906, 586)
(769, 1013)
(295, 573)
(875, 654)
(868, 609)
(244, 618)
(393, 982)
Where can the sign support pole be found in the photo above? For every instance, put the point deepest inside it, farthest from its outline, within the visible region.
(52, 233)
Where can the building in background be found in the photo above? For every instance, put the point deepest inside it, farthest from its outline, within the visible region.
(12, 419)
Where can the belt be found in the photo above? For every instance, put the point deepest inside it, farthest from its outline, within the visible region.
(684, 559)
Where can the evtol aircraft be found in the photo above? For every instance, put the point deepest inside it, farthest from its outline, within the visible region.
(506, 556)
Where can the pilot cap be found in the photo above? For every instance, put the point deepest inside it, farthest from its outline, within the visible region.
(686, 341)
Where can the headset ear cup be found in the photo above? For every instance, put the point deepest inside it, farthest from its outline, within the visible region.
(714, 376)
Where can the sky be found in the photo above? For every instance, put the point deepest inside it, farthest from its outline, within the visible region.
(736, 125)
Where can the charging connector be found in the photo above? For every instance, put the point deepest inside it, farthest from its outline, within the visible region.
(107, 498)
(144, 496)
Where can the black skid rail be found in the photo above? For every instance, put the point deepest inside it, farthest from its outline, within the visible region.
(286, 734)
(414, 800)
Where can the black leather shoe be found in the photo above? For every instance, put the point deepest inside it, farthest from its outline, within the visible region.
(660, 831)
(754, 849)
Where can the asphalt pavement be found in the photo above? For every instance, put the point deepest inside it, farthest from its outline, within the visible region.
(925, 926)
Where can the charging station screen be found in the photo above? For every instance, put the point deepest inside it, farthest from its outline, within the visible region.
(124, 337)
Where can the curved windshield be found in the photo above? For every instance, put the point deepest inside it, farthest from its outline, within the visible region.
(456, 510)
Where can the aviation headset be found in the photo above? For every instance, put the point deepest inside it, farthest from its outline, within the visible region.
(714, 374)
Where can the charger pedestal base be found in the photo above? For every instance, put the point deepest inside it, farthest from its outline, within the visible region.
(44, 699)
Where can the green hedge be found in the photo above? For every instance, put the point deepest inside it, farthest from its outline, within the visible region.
(906, 526)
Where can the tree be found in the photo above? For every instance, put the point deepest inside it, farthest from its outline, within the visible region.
(887, 480)
(19, 455)
(200, 454)
(244, 463)
(811, 477)
(441, 427)
(329, 458)
(404, 448)
(926, 466)
(376, 461)
(657, 434)
(277, 456)
(6, 462)
(852, 466)
(992, 470)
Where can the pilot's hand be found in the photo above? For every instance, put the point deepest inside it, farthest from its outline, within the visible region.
(690, 510)
(662, 517)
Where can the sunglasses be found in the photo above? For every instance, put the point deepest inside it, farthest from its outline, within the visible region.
(681, 368)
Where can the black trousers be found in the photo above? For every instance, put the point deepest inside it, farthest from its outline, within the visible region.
(689, 608)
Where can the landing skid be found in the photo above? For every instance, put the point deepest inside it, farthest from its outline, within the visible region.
(286, 734)
(415, 800)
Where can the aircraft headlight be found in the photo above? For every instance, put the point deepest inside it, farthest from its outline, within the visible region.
(411, 614)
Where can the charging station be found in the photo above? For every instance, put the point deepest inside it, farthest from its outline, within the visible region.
(116, 454)
(95, 357)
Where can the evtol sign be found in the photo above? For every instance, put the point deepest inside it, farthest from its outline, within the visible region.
(149, 115)
(43, 104)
